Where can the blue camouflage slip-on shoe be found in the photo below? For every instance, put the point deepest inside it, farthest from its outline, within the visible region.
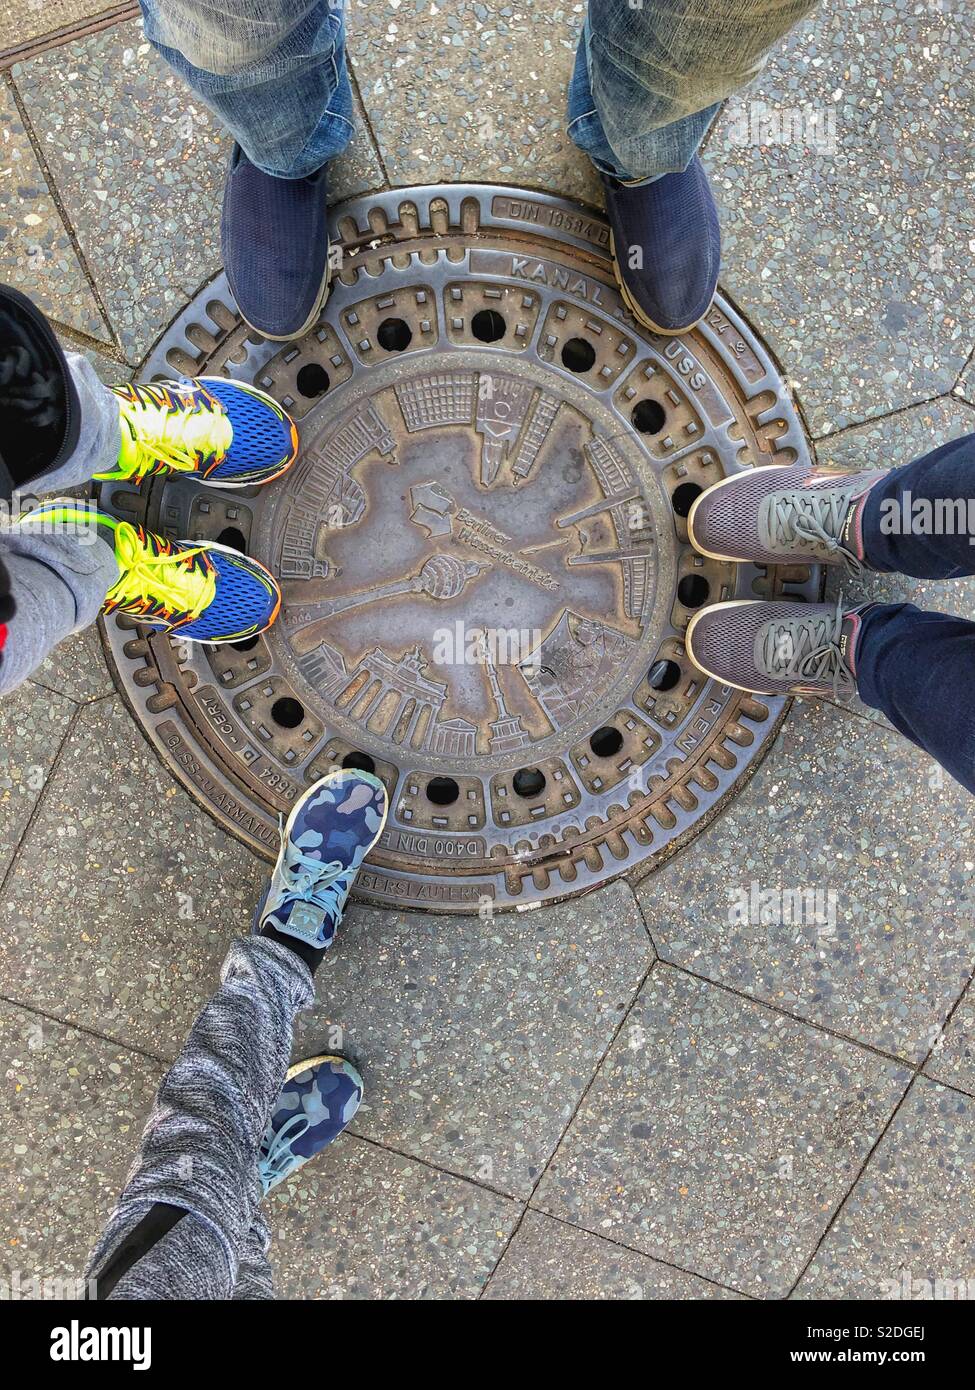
(274, 235)
(226, 433)
(330, 831)
(318, 1099)
(666, 243)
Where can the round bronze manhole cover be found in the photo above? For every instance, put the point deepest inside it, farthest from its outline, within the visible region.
(483, 551)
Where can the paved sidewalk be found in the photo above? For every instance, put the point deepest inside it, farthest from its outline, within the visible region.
(634, 1095)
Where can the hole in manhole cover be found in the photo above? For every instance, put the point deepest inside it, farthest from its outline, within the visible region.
(483, 551)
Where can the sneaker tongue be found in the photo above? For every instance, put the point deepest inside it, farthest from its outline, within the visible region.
(849, 632)
(850, 535)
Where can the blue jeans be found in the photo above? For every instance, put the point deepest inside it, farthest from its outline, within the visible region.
(649, 77)
(919, 668)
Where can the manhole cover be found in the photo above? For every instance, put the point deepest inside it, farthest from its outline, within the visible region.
(483, 550)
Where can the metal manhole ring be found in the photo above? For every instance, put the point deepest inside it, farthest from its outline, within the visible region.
(484, 555)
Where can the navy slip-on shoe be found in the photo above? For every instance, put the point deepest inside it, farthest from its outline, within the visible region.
(275, 247)
(666, 247)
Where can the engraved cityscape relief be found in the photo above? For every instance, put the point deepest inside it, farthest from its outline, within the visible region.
(517, 564)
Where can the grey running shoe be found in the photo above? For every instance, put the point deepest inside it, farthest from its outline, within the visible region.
(772, 514)
(777, 648)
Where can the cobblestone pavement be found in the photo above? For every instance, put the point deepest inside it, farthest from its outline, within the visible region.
(635, 1095)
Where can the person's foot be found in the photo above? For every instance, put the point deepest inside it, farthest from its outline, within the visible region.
(331, 829)
(227, 433)
(202, 592)
(777, 648)
(783, 513)
(275, 247)
(666, 247)
(317, 1101)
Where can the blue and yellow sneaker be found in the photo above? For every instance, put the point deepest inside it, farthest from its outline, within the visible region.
(330, 831)
(317, 1101)
(203, 592)
(228, 434)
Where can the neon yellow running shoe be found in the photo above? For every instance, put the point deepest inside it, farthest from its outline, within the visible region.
(205, 592)
(228, 434)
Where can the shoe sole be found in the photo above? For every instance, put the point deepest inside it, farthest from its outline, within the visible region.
(722, 680)
(299, 332)
(297, 1068)
(639, 314)
(289, 824)
(710, 492)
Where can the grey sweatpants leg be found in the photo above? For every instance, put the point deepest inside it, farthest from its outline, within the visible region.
(59, 582)
(200, 1145)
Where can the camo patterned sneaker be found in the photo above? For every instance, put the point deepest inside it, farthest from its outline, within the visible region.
(202, 592)
(317, 1101)
(226, 433)
(783, 513)
(330, 831)
(778, 648)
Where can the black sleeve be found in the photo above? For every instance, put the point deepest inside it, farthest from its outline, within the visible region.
(6, 602)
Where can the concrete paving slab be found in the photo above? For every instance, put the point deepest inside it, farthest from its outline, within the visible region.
(906, 1231)
(362, 1223)
(953, 1059)
(720, 1136)
(118, 915)
(469, 92)
(835, 886)
(76, 668)
(23, 20)
(549, 1259)
(36, 254)
(73, 1110)
(848, 240)
(476, 1039)
(33, 724)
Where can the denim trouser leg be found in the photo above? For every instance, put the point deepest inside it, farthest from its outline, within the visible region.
(919, 668)
(650, 77)
(273, 71)
(59, 582)
(197, 1167)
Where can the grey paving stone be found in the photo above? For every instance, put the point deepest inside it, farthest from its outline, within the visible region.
(118, 914)
(838, 885)
(112, 373)
(139, 162)
(906, 1231)
(73, 1109)
(32, 728)
(893, 440)
(719, 1135)
(76, 668)
(476, 1040)
(953, 1059)
(548, 1259)
(362, 1223)
(855, 262)
(23, 20)
(36, 254)
(966, 382)
(471, 92)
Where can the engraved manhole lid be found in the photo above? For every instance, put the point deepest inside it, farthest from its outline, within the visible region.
(483, 551)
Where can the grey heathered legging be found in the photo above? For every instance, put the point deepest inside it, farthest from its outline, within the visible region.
(59, 582)
(200, 1144)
